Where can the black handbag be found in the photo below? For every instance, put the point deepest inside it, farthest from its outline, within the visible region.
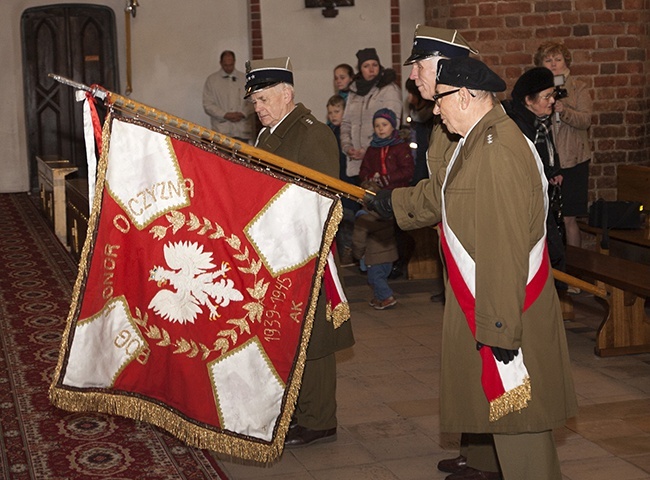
(615, 215)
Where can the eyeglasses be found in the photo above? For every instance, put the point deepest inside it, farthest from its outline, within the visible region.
(438, 96)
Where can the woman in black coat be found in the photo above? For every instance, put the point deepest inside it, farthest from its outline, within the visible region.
(531, 108)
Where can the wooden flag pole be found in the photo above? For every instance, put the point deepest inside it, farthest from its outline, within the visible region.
(581, 284)
(197, 132)
(127, 31)
(204, 134)
(285, 165)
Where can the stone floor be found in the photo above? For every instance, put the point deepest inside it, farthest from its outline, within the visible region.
(388, 400)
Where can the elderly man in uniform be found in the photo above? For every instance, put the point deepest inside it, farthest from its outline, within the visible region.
(292, 132)
(223, 101)
(504, 350)
(418, 207)
(430, 44)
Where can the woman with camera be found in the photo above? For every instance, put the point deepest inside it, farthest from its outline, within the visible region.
(570, 124)
(531, 107)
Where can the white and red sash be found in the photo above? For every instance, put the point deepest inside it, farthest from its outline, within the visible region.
(507, 387)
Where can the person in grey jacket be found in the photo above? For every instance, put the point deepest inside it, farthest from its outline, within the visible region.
(373, 88)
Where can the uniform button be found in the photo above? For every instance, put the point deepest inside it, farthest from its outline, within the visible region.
(498, 324)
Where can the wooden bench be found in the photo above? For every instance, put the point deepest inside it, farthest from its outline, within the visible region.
(626, 327)
(51, 178)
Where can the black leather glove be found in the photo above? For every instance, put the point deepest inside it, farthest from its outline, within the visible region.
(502, 355)
(380, 202)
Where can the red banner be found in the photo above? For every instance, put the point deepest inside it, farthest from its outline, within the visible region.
(196, 293)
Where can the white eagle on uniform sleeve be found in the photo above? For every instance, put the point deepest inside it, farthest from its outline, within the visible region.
(195, 285)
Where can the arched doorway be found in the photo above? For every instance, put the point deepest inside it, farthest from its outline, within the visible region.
(77, 41)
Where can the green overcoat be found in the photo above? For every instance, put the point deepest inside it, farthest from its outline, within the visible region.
(301, 138)
(495, 206)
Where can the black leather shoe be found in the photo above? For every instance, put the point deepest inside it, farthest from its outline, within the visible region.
(300, 436)
(452, 465)
(469, 473)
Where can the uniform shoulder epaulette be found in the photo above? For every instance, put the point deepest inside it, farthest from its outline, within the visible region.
(308, 120)
(490, 135)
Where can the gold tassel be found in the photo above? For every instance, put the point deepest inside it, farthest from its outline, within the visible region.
(339, 314)
(512, 401)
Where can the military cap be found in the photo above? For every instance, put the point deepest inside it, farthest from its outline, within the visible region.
(261, 74)
(469, 73)
(441, 42)
(531, 82)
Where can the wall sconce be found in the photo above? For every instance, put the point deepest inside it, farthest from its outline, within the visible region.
(330, 11)
(329, 6)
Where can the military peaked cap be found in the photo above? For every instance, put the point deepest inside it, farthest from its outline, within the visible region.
(261, 74)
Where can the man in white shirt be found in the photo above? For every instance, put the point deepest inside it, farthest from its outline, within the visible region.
(223, 100)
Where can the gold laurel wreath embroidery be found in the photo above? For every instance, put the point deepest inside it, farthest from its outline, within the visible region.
(254, 310)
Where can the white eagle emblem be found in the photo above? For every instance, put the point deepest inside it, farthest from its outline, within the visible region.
(194, 284)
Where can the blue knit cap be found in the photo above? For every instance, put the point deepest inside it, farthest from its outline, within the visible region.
(394, 138)
(386, 113)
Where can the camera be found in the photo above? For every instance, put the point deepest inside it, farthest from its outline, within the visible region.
(560, 92)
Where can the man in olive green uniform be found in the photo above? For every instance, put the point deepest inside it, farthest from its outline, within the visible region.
(421, 205)
(504, 350)
(430, 44)
(418, 207)
(292, 132)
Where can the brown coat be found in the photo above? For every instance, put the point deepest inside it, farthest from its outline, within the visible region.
(495, 206)
(304, 140)
(374, 239)
(572, 133)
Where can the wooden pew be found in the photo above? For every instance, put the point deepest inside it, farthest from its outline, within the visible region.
(424, 261)
(626, 327)
(52, 171)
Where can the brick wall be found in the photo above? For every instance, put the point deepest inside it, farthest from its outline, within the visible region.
(610, 44)
(255, 29)
(396, 44)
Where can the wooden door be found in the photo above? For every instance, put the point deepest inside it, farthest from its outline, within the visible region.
(77, 41)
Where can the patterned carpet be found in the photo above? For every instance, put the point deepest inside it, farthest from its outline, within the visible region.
(37, 440)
